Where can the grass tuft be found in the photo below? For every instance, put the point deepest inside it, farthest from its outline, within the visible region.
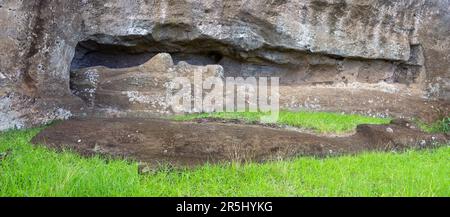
(442, 126)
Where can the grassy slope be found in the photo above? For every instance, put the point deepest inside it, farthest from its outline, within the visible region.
(321, 122)
(36, 171)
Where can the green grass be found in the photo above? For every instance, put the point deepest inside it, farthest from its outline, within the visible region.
(26, 170)
(321, 122)
(442, 126)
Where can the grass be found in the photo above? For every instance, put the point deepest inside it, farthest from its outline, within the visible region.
(26, 170)
(442, 126)
(320, 122)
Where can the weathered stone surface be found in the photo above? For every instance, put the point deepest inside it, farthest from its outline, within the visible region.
(141, 91)
(305, 42)
(145, 91)
(157, 142)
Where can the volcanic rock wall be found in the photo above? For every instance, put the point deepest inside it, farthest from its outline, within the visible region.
(403, 43)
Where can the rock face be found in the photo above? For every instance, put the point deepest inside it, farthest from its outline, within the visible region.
(401, 43)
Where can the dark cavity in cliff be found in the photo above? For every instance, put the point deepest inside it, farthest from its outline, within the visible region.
(293, 67)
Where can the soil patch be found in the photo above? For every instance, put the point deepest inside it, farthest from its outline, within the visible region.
(157, 141)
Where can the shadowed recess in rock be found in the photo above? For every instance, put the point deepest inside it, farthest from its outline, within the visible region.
(293, 67)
